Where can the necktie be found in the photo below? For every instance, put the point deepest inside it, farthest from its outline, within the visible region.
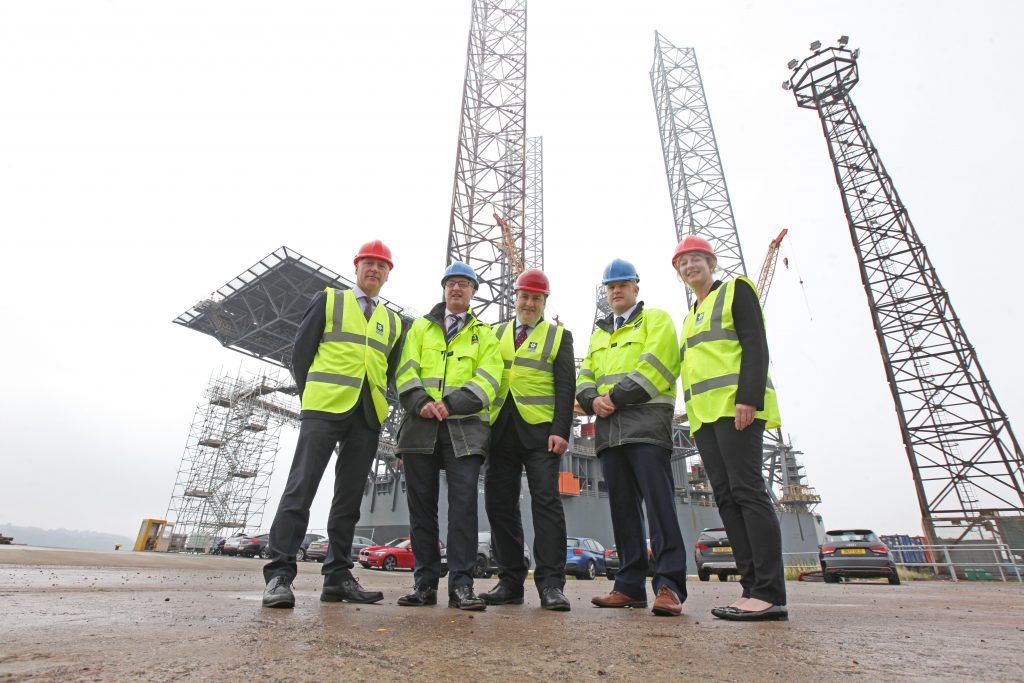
(453, 328)
(368, 306)
(619, 321)
(521, 337)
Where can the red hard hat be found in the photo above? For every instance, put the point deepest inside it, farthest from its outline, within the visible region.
(374, 249)
(533, 280)
(692, 243)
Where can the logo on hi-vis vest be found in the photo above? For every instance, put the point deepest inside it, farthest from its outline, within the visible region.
(380, 328)
(532, 346)
(474, 340)
(700, 317)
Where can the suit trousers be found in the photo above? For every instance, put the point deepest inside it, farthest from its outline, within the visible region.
(732, 459)
(357, 445)
(641, 474)
(422, 477)
(502, 483)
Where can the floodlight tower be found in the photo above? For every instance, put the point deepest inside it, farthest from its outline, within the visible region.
(490, 161)
(966, 462)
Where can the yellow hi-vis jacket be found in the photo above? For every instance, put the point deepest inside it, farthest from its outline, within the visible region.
(711, 355)
(529, 372)
(352, 349)
(640, 354)
(471, 363)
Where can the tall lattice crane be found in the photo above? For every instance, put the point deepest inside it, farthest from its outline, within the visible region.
(764, 280)
(967, 464)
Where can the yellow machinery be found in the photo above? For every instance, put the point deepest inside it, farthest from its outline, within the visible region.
(154, 535)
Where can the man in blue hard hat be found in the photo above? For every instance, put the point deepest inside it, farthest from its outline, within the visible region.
(628, 380)
(447, 378)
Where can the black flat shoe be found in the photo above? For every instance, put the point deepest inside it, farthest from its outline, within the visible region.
(554, 599)
(773, 613)
(420, 597)
(278, 593)
(464, 598)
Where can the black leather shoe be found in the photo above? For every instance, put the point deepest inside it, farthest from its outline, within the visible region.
(349, 591)
(554, 599)
(278, 593)
(420, 596)
(464, 598)
(503, 594)
(773, 613)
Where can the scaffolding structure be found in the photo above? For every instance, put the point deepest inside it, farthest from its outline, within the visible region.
(967, 465)
(224, 476)
(533, 249)
(490, 163)
(701, 204)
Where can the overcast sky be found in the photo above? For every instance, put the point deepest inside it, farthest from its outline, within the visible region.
(151, 151)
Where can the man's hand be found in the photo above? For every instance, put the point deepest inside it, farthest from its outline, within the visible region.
(441, 409)
(744, 416)
(603, 406)
(557, 444)
(429, 411)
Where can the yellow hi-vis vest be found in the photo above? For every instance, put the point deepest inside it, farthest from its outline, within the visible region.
(352, 349)
(472, 360)
(641, 350)
(529, 371)
(711, 354)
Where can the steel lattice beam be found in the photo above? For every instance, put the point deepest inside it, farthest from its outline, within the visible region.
(533, 251)
(490, 166)
(966, 462)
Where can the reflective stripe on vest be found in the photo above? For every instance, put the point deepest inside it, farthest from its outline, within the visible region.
(529, 371)
(711, 356)
(351, 349)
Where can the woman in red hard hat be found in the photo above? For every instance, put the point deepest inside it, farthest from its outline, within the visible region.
(730, 401)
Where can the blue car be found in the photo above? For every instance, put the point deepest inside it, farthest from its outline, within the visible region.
(584, 557)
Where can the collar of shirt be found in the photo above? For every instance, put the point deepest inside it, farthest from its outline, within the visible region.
(360, 294)
(625, 316)
(529, 328)
(460, 316)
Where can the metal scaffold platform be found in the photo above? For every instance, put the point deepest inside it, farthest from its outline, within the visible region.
(224, 477)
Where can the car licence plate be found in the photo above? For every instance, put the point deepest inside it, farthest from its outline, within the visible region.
(853, 551)
(721, 550)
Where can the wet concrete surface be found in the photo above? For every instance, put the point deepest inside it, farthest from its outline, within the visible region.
(71, 615)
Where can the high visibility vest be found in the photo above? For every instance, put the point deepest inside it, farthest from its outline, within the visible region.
(529, 372)
(351, 350)
(471, 360)
(711, 355)
(642, 350)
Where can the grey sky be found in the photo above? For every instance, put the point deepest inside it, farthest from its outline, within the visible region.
(149, 152)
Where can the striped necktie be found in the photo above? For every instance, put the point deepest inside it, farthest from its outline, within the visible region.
(521, 337)
(453, 328)
(368, 306)
(619, 321)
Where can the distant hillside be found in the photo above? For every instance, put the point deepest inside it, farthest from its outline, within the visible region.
(65, 538)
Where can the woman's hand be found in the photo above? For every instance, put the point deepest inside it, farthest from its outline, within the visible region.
(744, 416)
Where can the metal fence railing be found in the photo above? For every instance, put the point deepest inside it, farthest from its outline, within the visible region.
(955, 562)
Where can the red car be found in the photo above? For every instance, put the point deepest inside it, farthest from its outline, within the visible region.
(396, 554)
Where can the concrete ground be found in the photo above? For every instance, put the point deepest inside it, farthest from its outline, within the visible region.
(92, 616)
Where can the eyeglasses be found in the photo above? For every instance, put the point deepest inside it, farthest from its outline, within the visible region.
(460, 284)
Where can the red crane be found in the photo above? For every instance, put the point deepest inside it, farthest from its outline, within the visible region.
(764, 281)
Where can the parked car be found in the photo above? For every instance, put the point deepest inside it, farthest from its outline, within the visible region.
(253, 546)
(395, 554)
(232, 543)
(307, 540)
(584, 557)
(712, 554)
(612, 561)
(486, 558)
(855, 552)
(317, 550)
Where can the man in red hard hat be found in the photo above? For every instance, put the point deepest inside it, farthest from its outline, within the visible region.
(531, 419)
(346, 352)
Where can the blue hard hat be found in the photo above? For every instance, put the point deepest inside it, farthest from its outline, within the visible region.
(619, 270)
(458, 268)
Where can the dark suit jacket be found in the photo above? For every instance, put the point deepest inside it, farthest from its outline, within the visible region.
(536, 436)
